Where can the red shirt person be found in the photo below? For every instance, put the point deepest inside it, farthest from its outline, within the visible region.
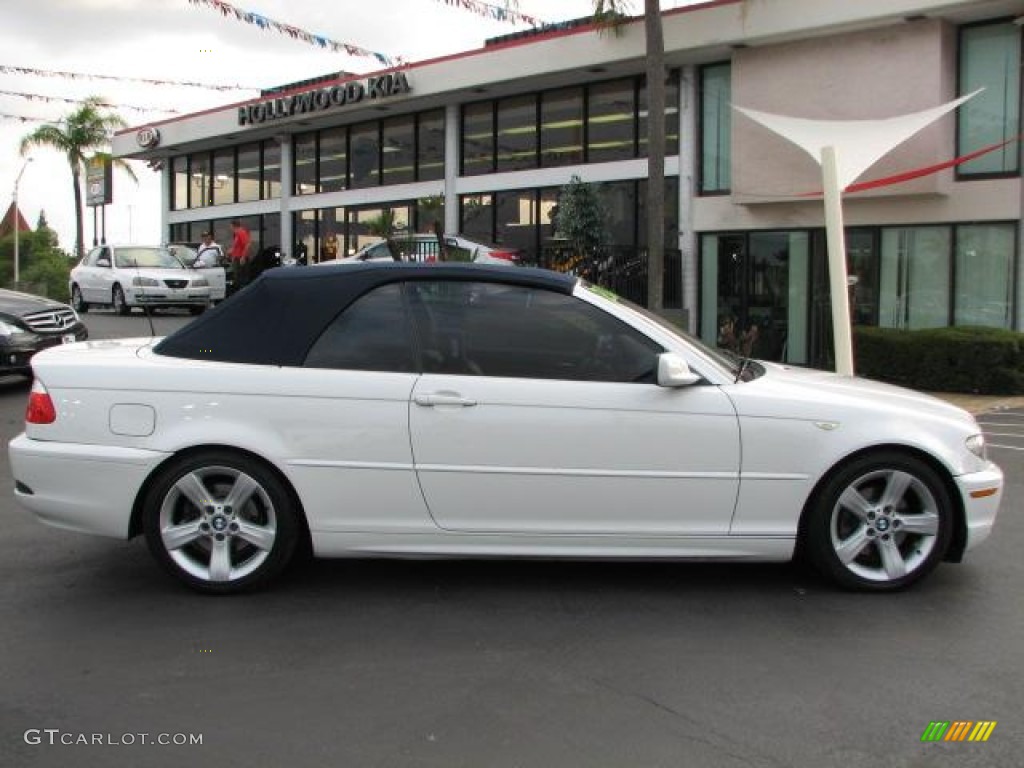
(239, 252)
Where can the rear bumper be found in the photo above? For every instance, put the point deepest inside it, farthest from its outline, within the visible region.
(981, 493)
(85, 488)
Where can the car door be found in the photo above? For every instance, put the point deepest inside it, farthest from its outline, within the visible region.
(90, 275)
(537, 413)
(351, 459)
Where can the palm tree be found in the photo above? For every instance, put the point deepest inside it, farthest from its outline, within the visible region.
(86, 130)
(612, 11)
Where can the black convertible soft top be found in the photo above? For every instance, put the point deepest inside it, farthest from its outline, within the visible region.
(276, 319)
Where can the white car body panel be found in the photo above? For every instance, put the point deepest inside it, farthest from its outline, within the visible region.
(570, 456)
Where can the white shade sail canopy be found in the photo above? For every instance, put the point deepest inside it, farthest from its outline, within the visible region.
(859, 144)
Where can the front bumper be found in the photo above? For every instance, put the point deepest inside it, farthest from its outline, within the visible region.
(166, 297)
(85, 488)
(16, 351)
(981, 493)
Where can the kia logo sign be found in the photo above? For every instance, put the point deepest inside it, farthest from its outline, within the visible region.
(147, 138)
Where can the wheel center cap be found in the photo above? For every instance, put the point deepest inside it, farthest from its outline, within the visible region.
(219, 523)
(882, 524)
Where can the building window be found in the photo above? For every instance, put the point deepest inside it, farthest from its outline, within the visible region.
(305, 163)
(364, 159)
(715, 129)
(516, 222)
(611, 121)
(398, 150)
(248, 173)
(199, 170)
(561, 127)
(754, 298)
(671, 117)
(179, 183)
(985, 275)
(478, 139)
(990, 58)
(271, 170)
(333, 155)
(223, 180)
(476, 216)
(430, 146)
(914, 277)
(517, 134)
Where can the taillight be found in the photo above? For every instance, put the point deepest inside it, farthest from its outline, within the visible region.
(40, 408)
(504, 255)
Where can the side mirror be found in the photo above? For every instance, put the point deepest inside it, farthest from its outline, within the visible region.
(674, 372)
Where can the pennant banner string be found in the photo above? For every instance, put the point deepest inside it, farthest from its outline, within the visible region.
(262, 22)
(8, 69)
(496, 12)
(40, 97)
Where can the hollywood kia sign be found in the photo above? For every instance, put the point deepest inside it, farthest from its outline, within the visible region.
(353, 92)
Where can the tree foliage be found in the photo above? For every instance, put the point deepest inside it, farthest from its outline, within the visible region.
(581, 218)
(43, 267)
(82, 133)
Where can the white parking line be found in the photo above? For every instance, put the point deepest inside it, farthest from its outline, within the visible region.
(1007, 447)
(1004, 434)
(998, 424)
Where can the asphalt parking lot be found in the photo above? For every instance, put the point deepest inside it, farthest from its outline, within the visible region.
(367, 663)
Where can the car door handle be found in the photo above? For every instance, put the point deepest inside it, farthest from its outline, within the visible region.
(443, 398)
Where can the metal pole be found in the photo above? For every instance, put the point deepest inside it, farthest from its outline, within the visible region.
(17, 221)
(838, 280)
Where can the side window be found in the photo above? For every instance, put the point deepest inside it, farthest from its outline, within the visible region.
(487, 329)
(372, 334)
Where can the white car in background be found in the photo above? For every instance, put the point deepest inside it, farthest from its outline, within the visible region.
(127, 276)
(215, 274)
(424, 248)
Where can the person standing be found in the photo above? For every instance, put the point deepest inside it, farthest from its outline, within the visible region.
(239, 253)
(209, 253)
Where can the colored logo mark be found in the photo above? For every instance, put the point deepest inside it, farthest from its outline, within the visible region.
(958, 730)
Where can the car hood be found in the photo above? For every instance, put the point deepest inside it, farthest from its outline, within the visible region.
(815, 394)
(21, 304)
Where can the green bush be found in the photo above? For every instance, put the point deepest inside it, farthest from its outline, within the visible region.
(973, 360)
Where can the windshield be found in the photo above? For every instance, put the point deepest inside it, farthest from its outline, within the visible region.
(723, 358)
(127, 258)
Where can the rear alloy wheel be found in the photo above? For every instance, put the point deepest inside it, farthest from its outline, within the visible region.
(77, 303)
(220, 522)
(880, 523)
(117, 299)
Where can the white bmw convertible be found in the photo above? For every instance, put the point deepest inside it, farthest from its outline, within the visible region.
(394, 410)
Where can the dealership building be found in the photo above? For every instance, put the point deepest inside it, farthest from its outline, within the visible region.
(486, 138)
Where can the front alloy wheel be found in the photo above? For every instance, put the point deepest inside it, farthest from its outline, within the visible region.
(220, 522)
(881, 523)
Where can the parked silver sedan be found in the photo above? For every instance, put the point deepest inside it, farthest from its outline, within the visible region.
(127, 276)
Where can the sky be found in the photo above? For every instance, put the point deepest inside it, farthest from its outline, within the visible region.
(183, 41)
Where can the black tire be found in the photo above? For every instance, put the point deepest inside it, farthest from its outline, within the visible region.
(118, 301)
(76, 300)
(196, 310)
(255, 541)
(879, 523)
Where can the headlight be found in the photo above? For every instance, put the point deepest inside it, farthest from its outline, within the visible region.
(976, 445)
(149, 282)
(6, 329)
(200, 282)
